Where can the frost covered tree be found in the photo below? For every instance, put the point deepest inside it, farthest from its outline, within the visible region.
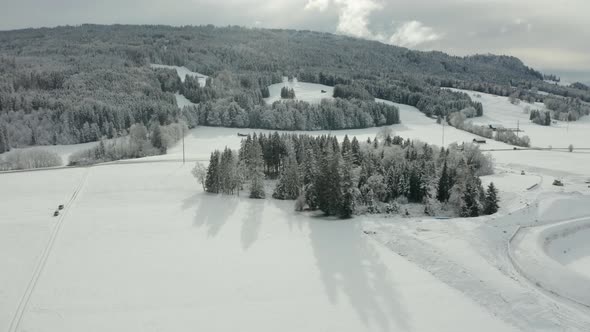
(444, 188)
(491, 200)
(200, 173)
(256, 171)
(289, 185)
(212, 180)
(347, 188)
(157, 139)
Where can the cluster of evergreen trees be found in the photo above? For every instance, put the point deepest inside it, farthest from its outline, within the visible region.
(287, 93)
(567, 109)
(351, 92)
(140, 142)
(293, 115)
(542, 118)
(42, 103)
(353, 177)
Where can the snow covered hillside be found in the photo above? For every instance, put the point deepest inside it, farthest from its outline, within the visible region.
(498, 111)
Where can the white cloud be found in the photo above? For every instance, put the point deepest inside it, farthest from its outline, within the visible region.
(353, 17)
(412, 34)
(320, 5)
(353, 20)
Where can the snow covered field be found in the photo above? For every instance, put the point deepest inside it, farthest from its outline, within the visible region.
(140, 247)
(137, 255)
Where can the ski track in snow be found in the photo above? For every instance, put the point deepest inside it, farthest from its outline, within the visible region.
(24, 301)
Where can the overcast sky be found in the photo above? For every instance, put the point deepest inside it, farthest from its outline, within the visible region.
(547, 34)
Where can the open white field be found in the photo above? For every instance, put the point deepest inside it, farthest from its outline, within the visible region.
(27, 203)
(142, 248)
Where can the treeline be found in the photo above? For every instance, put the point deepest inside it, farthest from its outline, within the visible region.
(567, 109)
(45, 102)
(351, 92)
(141, 142)
(427, 98)
(77, 84)
(352, 177)
(294, 115)
(527, 90)
(29, 158)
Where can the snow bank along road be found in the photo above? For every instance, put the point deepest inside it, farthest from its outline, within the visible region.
(556, 256)
(144, 249)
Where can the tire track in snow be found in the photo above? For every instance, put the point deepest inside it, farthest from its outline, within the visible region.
(25, 299)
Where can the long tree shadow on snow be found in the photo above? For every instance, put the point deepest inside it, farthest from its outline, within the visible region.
(350, 267)
(212, 211)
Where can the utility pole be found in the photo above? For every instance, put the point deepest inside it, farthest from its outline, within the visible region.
(517, 127)
(183, 159)
(443, 133)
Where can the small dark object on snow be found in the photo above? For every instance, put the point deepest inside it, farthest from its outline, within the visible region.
(324, 91)
(522, 173)
(370, 232)
(60, 207)
(242, 135)
(558, 183)
(479, 141)
(515, 148)
(56, 213)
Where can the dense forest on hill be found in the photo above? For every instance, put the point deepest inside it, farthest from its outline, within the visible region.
(78, 84)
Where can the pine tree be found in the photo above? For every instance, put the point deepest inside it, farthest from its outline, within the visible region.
(3, 142)
(226, 171)
(347, 202)
(470, 204)
(157, 139)
(212, 180)
(256, 172)
(310, 174)
(356, 151)
(491, 200)
(444, 188)
(346, 146)
(288, 186)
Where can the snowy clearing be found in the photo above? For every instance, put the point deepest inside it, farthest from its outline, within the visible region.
(137, 255)
(183, 72)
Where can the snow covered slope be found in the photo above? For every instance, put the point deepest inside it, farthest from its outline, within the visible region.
(142, 248)
(499, 111)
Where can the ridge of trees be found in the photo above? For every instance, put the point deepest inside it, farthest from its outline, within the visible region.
(78, 84)
(293, 115)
